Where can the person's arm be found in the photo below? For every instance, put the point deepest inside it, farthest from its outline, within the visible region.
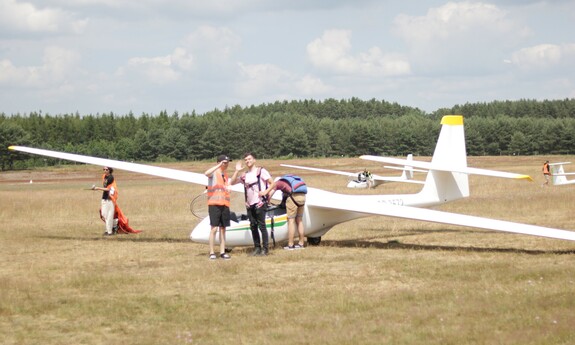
(271, 186)
(211, 170)
(234, 179)
(272, 189)
(104, 189)
(107, 189)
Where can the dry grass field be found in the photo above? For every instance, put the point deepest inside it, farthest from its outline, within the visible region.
(375, 280)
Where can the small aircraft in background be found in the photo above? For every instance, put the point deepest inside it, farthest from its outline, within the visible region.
(559, 175)
(365, 179)
(447, 180)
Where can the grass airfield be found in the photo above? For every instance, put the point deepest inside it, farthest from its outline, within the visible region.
(374, 280)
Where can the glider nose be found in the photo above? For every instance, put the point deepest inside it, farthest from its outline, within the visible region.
(197, 237)
(201, 233)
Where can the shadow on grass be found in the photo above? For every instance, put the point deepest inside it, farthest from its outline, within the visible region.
(370, 242)
(393, 244)
(136, 239)
(120, 238)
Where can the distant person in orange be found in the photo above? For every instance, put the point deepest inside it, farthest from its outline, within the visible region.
(546, 173)
(107, 208)
(110, 211)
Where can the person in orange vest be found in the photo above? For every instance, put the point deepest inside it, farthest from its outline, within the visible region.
(110, 212)
(219, 204)
(107, 209)
(546, 173)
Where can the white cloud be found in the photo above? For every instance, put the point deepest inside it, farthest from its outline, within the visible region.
(311, 86)
(261, 78)
(161, 69)
(10, 74)
(213, 43)
(455, 21)
(58, 65)
(25, 17)
(268, 82)
(544, 56)
(209, 47)
(331, 52)
(459, 38)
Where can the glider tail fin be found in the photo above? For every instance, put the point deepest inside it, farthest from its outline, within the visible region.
(407, 173)
(559, 176)
(558, 179)
(450, 153)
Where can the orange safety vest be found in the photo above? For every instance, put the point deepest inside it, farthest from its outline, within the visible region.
(546, 169)
(218, 195)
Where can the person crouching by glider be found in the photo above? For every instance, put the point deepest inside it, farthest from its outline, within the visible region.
(295, 206)
(110, 212)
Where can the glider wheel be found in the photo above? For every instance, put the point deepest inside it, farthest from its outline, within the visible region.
(314, 241)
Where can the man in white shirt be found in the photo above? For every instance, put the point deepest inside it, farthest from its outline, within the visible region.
(257, 182)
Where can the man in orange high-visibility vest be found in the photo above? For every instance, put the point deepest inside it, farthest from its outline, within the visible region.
(546, 173)
(219, 204)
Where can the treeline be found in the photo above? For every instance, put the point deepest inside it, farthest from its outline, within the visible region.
(297, 128)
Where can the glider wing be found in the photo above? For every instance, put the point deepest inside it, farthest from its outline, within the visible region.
(180, 175)
(354, 203)
(431, 166)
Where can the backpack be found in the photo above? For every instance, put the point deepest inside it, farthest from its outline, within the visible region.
(296, 183)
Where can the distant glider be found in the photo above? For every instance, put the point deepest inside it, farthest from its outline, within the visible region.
(447, 180)
(559, 175)
(364, 179)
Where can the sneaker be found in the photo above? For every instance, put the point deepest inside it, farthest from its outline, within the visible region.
(108, 234)
(264, 252)
(298, 246)
(257, 251)
(213, 256)
(289, 247)
(225, 256)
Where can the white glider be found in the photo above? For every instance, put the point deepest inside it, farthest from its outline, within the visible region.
(447, 180)
(559, 175)
(359, 180)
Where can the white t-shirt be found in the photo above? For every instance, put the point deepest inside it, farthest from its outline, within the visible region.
(252, 189)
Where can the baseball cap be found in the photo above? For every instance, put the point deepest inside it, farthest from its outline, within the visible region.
(223, 158)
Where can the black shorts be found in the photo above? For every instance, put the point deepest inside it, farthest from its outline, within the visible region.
(219, 215)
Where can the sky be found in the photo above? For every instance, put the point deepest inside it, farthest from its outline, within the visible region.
(147, 56)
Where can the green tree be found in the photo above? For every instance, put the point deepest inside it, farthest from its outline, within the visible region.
(323, 144)
(518, 144)
(11, 134)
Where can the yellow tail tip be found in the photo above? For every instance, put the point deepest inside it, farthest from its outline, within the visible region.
(454, 120)
(526, 177)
